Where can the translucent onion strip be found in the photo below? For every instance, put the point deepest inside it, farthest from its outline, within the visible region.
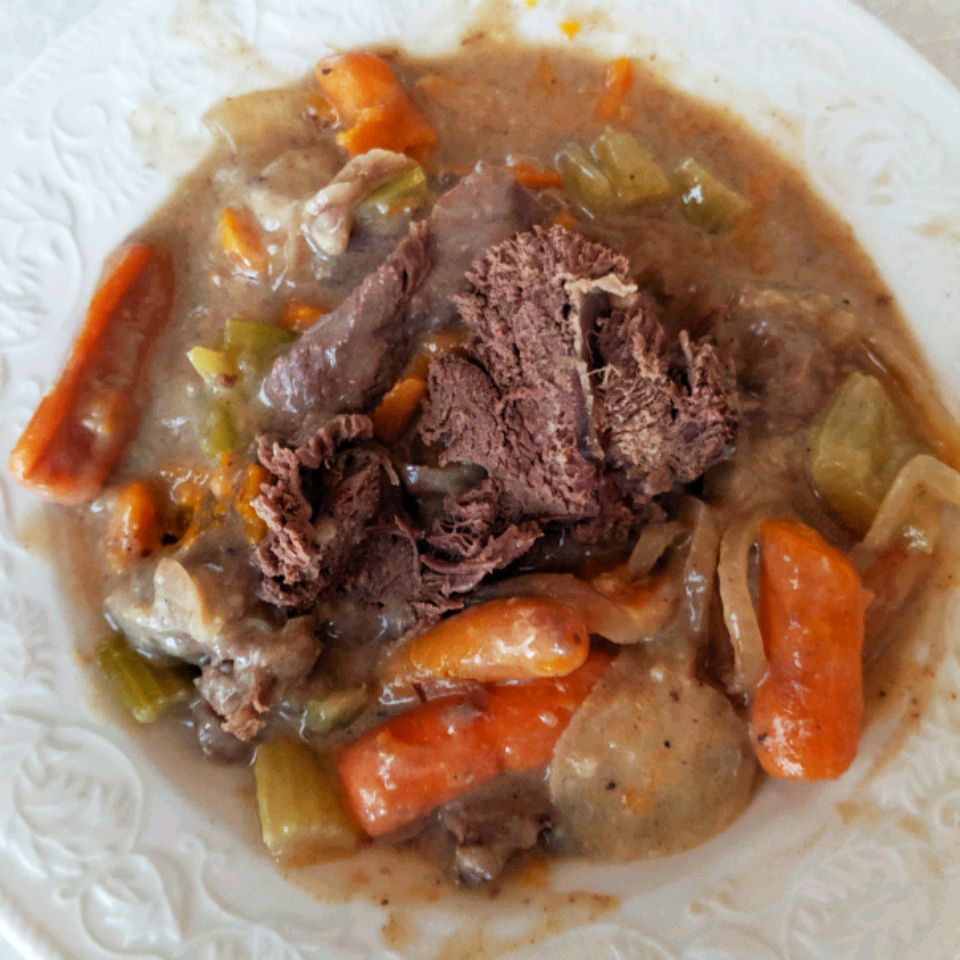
(739, 613)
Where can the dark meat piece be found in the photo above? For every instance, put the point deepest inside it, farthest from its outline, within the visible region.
(791, 353)
(522, 407)
(215, 742)
(485, 208)
(666, 414)
(420, 581)
(196, 602)
(348, 358)
(463, 545)
(354, 354)
(385, 572)
(316, 508)
(490, 825)
(242, 686)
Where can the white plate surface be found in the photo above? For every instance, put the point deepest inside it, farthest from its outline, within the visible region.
(113, 844)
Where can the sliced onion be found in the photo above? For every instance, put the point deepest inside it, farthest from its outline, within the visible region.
(652, 544)
(604, 616)
(922, 479)
(698, 568)
(738, 611)
(672, 604)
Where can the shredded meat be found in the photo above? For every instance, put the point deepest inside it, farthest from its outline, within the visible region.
(467, 543)
(521, 406)
(666, 414)
(316, 508)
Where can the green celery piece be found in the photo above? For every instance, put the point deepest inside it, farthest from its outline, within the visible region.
(253, 337)
(380, 208)
(215, 366)
(145, 689)
(219, 433)
(584, 182)
(706, 202)
(302, 819)
(858, 448)
(631, 169)
(337, 709)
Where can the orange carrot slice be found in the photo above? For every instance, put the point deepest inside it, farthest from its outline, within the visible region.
(808, 709)
(518, 638)
(241, 241)
(395, 411)
(403, 770)
(618, 83)
(367, 95)
(82, 426)
(536, 178)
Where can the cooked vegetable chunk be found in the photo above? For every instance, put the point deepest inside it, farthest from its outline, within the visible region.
(134, 530)
(585, 183)
(368, 97)
(808, 710)
(705, 201)
(144, 687)
(858, 448)
(411, 765)
(634, 173)
(336, 709)
(513, 639)
(393, 414)
(301, 817)
(82, 426)
(242, 241)
(655, 761)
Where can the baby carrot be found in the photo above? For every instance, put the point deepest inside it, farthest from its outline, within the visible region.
(411, 765)
(83, 424)
(367, 95)
(808, 708)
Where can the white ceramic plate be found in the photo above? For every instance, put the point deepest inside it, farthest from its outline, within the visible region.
(117, 844)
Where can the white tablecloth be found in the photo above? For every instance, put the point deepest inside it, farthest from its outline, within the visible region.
(28, 27)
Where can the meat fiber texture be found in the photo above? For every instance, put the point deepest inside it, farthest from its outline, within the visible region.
(335, 525)
(571, 397)
(352, 355)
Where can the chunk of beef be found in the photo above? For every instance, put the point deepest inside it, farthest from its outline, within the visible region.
(187, 603)
(666, 414)
(352, 355)
(485, 208)
(418, 579)
(490, 825)
(243, 682)
(521, 407)
(215, 742)
(468, 542)
(323, 495)
(385, 573)
(786, 349)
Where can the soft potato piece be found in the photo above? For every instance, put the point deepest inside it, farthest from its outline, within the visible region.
(259, 122)
(655, 761)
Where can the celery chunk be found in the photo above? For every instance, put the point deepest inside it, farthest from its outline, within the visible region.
(635, 175)
(857, 449)
(145, 689)
(214, 366)
(255, 337)
(302, 819)
(706, 202)
(584, 182)
(405, 192)
(336, 709)
(218, 434)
